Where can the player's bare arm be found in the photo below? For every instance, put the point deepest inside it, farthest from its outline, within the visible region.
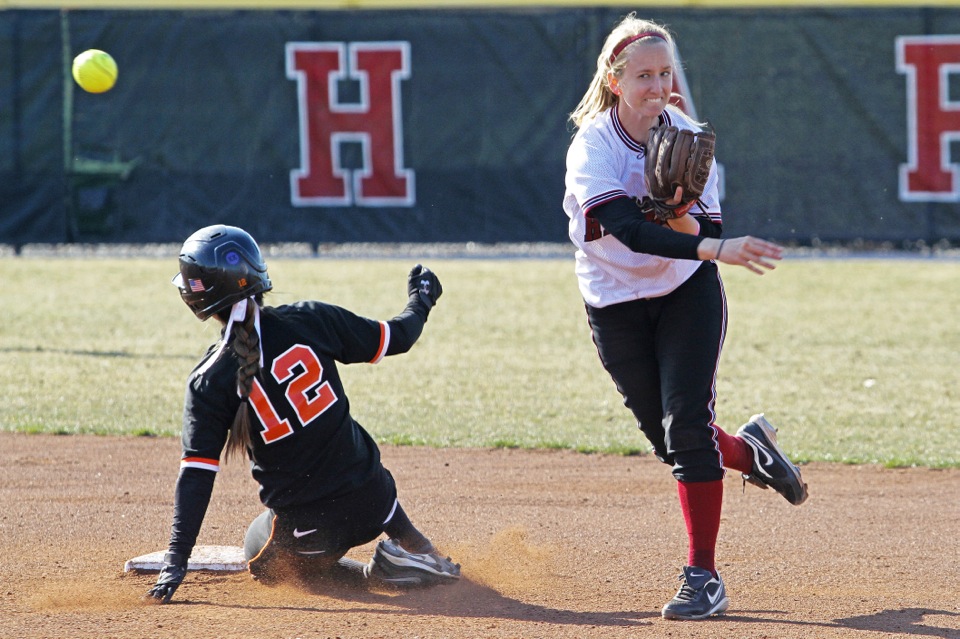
(750, 252)
(685, 223)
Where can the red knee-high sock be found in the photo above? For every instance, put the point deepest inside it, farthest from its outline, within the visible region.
(737, 454)
(701, 503)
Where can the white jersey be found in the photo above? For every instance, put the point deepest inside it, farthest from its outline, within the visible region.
(604, 163)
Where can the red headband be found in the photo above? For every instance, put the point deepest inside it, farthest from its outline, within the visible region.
(617, 50)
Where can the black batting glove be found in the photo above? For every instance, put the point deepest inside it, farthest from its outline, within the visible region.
(424, 283)
(171, 575)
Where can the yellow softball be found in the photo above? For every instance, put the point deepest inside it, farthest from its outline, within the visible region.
(95, 71)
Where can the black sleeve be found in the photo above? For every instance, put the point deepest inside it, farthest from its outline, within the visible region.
(405, 328)
(191, 498)
(709, 228)
(622, 219)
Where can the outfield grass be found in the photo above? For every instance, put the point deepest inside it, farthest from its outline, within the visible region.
(856, 361)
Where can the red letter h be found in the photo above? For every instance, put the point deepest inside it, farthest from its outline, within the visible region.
(933, 120)
(375, 122)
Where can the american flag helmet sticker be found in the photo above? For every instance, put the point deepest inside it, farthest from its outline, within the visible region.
(196, 286)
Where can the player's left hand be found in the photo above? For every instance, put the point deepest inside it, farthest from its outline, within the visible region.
(753, 253)
(171, 576)
(424, 283)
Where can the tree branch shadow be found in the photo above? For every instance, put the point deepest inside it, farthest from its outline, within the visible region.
(903, 622)
(907, 621)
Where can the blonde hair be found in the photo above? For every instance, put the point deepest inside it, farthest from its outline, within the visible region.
(624, 36)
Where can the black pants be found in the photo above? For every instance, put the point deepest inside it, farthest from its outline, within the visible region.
(325, 530)
(663, 353)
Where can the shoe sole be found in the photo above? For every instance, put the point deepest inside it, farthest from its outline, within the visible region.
(403, 562)
(770, 441)
(376, 571)
(409, 580)
(719, 609)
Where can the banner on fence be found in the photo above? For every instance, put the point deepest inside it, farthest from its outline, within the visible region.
(451, 125)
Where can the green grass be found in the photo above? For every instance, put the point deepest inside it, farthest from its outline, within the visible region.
(856, 361)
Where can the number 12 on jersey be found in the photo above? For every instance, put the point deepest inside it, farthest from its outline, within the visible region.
(305, 393)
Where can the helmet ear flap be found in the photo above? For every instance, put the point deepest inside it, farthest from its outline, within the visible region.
(219, 266)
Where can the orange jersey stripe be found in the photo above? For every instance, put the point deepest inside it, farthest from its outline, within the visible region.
(384, 343)
(200, 462)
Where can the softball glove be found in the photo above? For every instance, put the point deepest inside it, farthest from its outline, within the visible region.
(675, 157)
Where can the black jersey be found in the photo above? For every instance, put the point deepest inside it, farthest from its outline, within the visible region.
(305, 444)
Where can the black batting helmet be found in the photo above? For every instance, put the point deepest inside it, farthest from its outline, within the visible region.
(219, 266)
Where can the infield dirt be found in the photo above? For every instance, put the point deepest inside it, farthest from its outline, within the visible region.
(553, 544)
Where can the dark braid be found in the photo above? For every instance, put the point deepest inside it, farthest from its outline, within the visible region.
(246, 346)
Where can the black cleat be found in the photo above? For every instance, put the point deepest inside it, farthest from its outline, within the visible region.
(700, 596)
(771, 467)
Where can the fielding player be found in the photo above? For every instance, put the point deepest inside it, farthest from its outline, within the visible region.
(269, 389)
(655, 301)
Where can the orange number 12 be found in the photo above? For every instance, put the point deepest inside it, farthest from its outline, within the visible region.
(307, 399)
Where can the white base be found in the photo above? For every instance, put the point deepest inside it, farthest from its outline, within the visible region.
(217, 558)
